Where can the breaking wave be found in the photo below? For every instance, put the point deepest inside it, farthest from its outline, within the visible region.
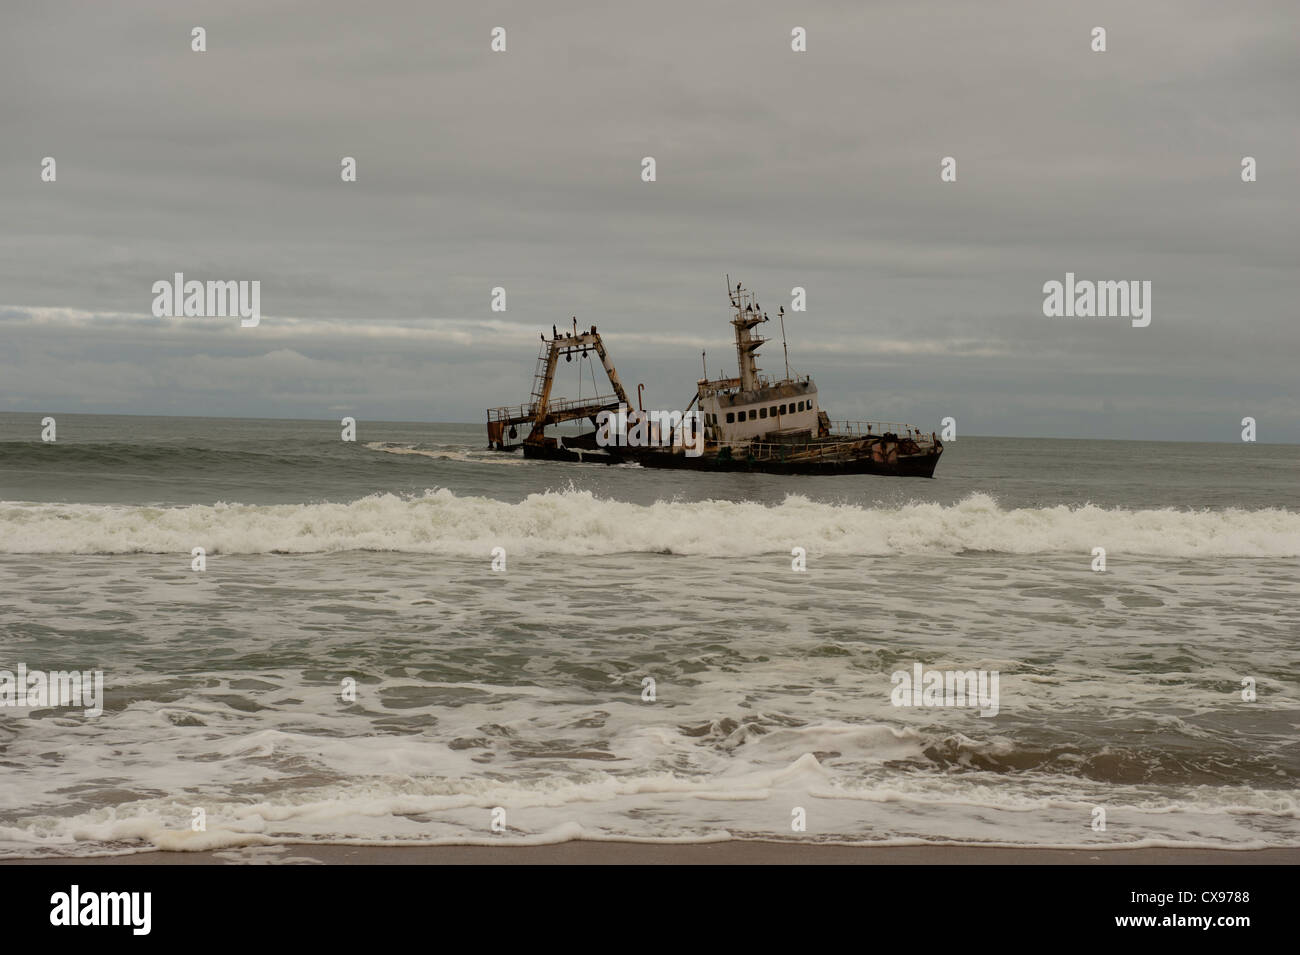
(579, 523)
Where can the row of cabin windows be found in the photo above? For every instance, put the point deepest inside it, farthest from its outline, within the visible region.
(756, 413)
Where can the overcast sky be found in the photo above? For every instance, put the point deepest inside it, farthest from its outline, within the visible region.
(522, 169)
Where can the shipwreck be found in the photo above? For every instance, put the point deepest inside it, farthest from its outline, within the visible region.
(748, 423)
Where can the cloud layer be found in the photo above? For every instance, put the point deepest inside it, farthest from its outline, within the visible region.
(522, 170)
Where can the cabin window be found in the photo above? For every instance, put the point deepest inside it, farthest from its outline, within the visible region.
(781, 410)
(762, 412)
(801, 406)
(731, 417)
(753, 415)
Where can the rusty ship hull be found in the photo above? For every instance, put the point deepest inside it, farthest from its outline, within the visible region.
(913, 467)
(885, 454)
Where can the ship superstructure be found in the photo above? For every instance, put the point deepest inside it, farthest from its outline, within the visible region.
(738, 411)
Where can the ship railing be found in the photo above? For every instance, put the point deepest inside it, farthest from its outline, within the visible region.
(511, 413)
(841, 441)
(874, 429)
(801, 452)
(560, 405)
(528, 412)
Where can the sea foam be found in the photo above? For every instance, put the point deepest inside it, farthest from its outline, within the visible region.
(576, 522)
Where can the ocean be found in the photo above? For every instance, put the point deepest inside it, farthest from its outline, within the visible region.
(349, 668)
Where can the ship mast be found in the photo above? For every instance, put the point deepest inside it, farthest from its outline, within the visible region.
(747, 344)
(784, 346)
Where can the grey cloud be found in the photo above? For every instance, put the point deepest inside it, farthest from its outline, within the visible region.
(522, 170)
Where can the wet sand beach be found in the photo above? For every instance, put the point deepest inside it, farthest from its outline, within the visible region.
(718, 853)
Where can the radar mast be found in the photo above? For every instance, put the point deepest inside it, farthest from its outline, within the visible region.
(748, 315)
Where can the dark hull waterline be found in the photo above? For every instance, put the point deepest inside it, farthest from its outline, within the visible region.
(920, 465)
(917, 465)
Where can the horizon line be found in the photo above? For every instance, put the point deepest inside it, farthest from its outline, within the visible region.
(476, 424)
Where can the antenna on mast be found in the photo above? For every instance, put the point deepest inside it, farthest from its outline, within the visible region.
(784, 347)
